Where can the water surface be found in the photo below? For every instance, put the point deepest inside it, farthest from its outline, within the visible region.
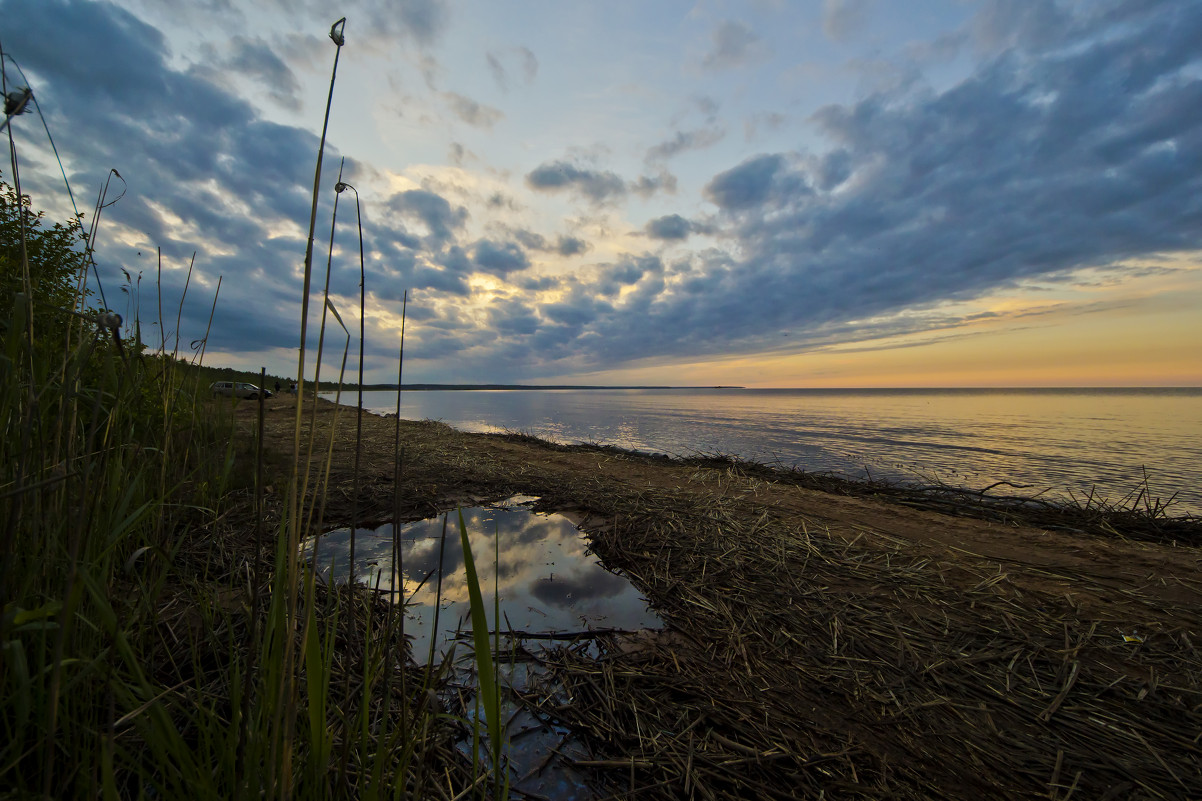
(1061, 440)
(539, 565)
(546, 580)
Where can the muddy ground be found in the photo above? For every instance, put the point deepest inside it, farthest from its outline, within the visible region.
(825, 639)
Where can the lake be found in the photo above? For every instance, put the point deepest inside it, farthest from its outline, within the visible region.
(1060, 440)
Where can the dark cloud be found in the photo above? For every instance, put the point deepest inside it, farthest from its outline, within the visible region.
(733, 45)
(579, 586)
(571, 246)
(539, 283)
(748, 185)
(529, 64)
(499, 258)
(563, 245)
(511, 317)
(708, 107)
(598, 186)
(208, 175)
(1076, 141)
(832, 169)
(1086, 150)
(670, 227)
(257, 60)
(440, 218)
(613, 278)
(530, 240)
(254, 60)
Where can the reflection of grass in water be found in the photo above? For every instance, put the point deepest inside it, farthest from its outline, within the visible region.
(486, 676)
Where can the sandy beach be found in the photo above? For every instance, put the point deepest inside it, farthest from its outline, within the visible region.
(823, 639)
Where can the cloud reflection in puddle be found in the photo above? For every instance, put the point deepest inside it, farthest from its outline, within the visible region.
(548, 580)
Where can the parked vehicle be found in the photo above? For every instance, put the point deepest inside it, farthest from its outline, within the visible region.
(237, 389)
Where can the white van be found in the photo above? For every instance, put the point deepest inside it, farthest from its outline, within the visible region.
(237, 389)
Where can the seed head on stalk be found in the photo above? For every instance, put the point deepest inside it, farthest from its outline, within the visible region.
(339, 188)
(285, 715)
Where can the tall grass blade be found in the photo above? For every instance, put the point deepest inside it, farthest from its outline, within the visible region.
(487, 677)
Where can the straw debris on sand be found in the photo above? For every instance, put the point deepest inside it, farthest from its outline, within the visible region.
(831, 639)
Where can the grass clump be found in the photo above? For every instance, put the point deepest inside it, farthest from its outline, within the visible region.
(108, 469)
(146, 644)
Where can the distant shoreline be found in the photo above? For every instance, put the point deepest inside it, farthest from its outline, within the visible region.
(329, 387)
(471, 387)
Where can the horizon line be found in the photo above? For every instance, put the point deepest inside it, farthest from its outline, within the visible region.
(384, 386)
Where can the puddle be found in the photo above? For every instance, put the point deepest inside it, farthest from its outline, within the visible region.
(547, 582)
(546, 579)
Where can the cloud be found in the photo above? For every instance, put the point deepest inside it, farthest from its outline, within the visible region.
(499, 258)
(733, 45)
(571, 246)
(598, 186)
(440, 218)
(1081, 152)
(747, 186)
(475, 114)
(670, 227)
(684, 141)
(647, 185)
(1075, 141)
(254, 59)
(579, 586)
(563, 245)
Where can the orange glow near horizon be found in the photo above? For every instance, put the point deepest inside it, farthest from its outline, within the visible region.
(1144, 331)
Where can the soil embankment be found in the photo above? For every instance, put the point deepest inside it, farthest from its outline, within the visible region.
(827, 641)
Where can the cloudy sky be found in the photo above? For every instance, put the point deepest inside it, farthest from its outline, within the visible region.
(771, 193)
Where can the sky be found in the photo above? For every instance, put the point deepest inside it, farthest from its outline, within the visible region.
(775, 193)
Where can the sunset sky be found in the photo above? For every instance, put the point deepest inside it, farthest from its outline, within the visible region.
(836, 193)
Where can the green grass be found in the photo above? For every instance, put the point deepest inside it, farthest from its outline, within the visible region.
(148, 646)
(157, 638)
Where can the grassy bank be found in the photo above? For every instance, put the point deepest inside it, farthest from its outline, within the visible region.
(147, 646)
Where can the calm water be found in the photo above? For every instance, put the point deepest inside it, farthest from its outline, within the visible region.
(546, 578)
(1058, 440)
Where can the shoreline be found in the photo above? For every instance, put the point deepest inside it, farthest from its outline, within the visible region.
(824, 636)
(1055, 449)
(1002, 501)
